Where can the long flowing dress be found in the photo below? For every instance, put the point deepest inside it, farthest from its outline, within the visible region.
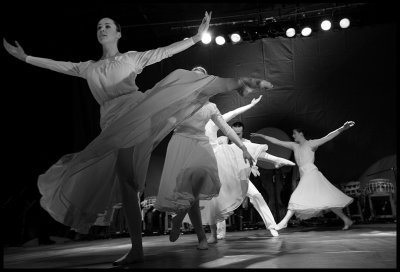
(314, 193)
(190, 170)
(81, 185)
(234, 175)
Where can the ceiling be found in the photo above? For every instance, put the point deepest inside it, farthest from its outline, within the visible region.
(166, 22)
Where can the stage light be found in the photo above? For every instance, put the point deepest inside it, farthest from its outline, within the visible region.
(235, 37)
(220, 40)
(306, 31)
(326, 25)
(290, 32)
(206, 38)
(344, 23)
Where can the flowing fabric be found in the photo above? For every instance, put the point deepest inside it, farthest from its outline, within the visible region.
(314, 193)
(80, 186)
(234, 175)
(190, 170)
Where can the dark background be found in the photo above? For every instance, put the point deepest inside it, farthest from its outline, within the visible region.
(320, 81)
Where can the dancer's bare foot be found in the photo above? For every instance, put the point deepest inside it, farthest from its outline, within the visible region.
(212, 240)
(273, 232)
(131, 257)
(279, 162)
(347, 224)
(203, 244)
(175, 230)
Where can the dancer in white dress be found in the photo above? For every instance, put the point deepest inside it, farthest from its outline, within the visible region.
(314, 193)
(190, 170)
(234, 176)
(133, 123)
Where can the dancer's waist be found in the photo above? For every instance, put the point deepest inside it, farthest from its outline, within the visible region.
(307, 167)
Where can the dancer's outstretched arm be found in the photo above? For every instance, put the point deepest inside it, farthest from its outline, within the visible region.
(232, 114)
(331, 135)
(230, 133)
(273, 140)
(65, 67)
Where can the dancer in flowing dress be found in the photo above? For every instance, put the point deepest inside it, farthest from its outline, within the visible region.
(190, 171)
(112, 168)
(234, 176)
(314, 193)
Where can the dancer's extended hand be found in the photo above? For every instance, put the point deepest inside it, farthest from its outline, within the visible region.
(15, 51)
(348, 124)
(205, 23)
(247, 157)
(255, 100)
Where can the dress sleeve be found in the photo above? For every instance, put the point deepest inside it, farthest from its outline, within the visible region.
(69, 68)
(219, 121)
(143, 59)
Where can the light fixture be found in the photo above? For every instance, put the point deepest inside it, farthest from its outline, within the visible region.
(220, 40)
(306, 31)
(344, 23)
(206, 38)
(290, 32)
(326, 25)
(235, 38)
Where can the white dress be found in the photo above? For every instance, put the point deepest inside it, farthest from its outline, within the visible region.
(314, 193)
(81, 185)
(234, 175)
(190, 170)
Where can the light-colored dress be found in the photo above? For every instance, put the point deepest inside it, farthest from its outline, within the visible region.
(190, 170)
(81, 185)
(234, 175)
(314, 193)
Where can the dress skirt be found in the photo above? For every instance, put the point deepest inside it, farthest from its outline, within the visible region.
(315, 193)
(79, 186)
(190, 173)
(234, 174)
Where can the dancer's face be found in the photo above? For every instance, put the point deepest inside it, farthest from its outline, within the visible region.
(297, 135)
(239, 131)
(107, 31)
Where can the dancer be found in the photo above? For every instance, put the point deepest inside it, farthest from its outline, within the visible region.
(314, 193)
(190, 170)
(234, 176)
(133, 123)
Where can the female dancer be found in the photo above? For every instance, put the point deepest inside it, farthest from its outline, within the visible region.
(234, 176)
(190, 170)
(133, 123)
(314, 193)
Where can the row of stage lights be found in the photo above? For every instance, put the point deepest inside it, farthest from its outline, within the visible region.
(290, 32)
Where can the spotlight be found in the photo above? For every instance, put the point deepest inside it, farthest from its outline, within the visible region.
(220, 40)
(235, 37)
(344, 23)
(326, 25)
(290, 32)
(206, 38)
(306, 31)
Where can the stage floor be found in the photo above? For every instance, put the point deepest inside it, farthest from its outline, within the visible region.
(363, 246)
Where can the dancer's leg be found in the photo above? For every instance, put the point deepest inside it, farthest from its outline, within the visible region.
(213, 236)
(285, 220)
(221, 230)
(176, 225)
(262, 208)
(131, 207)
(195, 217)
(347, 221)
